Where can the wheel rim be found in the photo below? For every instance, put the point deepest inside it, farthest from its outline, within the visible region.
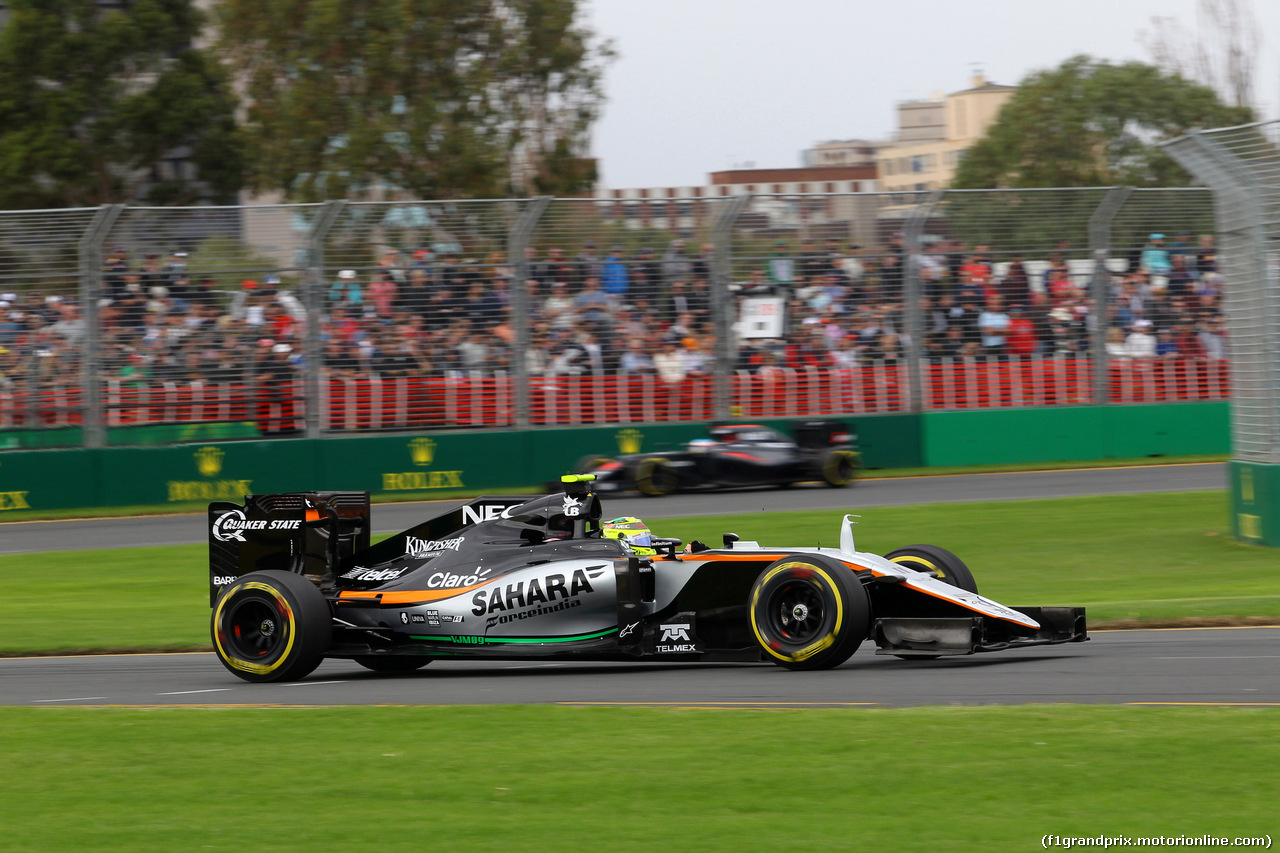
(255, 629)
(796, 612)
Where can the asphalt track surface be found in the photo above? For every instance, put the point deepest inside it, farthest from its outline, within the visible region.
(36, 536)
(1220, 666)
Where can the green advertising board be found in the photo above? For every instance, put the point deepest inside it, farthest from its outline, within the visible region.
(1255, 503)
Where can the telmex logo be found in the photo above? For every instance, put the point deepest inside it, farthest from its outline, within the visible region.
(485, 512)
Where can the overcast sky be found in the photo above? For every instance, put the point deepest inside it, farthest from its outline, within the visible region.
(705, 85)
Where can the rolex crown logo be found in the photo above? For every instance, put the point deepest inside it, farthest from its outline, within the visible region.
(629, 440)
(422, 450)
(209, 460)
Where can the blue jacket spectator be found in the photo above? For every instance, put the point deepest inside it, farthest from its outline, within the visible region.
(614, 275)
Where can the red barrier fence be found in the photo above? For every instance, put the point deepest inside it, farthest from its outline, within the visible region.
(488, 400)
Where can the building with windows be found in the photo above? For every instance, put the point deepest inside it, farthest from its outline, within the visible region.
(934, 134)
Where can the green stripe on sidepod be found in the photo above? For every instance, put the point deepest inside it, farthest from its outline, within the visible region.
(489, 641)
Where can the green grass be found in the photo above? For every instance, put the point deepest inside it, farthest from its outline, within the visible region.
(1134, 559)
(558, 778)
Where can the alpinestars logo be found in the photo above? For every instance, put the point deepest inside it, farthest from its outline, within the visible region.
(675, 638)
(420, 548)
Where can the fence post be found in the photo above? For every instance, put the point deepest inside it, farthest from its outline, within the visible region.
(1100, 222)
(913, 322)
(726, 354)
(517, 256)
(313, 303)
(94, 433)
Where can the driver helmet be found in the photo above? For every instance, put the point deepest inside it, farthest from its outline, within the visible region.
(701, 445)
(633, 533)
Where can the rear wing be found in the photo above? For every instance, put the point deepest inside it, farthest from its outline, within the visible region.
(819, 435)
(322, 534)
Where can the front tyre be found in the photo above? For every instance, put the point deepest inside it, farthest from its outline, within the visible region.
(942, 564)
(939, 562)
(839, 467)
(808, 613)
(271, 626)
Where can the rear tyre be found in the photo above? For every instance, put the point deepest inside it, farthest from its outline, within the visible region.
(942, 564)
(939, 562)
(392, 664)
(655, 477)
(271, 626)
(808, 613)
(839, 467)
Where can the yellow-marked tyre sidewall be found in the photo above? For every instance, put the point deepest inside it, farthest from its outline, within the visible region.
(832, 468)
(845, 618)
(304, 618)
(644, 476)
(939, 562)
(290, 627)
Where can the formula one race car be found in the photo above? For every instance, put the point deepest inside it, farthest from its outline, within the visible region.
(293, 580)
(732, 456)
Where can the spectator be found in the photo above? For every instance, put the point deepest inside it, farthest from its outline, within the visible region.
(669, 362)
(592, 304)
(1140, 343)
(1155, 257)
(346, 291)
(993, 323)
(614, 274)
(636, 361)
(558, 309)
(675, 263)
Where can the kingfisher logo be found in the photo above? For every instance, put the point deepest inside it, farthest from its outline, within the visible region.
(420, 548)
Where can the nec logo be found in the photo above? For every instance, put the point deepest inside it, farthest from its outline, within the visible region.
(487, 512)
(674, 633)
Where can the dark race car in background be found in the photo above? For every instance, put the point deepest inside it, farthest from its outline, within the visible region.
(293, 580)
(735, 456)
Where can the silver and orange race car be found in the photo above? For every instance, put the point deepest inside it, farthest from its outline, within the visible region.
(293, 579)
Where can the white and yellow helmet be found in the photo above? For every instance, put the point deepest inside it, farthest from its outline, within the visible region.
(631, 532)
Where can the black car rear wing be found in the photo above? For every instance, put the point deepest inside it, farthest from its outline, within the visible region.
(321, 534)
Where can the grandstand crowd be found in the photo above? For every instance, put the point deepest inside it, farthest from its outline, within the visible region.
(596, 311)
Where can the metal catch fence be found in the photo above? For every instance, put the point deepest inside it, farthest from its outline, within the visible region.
(347, 317)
